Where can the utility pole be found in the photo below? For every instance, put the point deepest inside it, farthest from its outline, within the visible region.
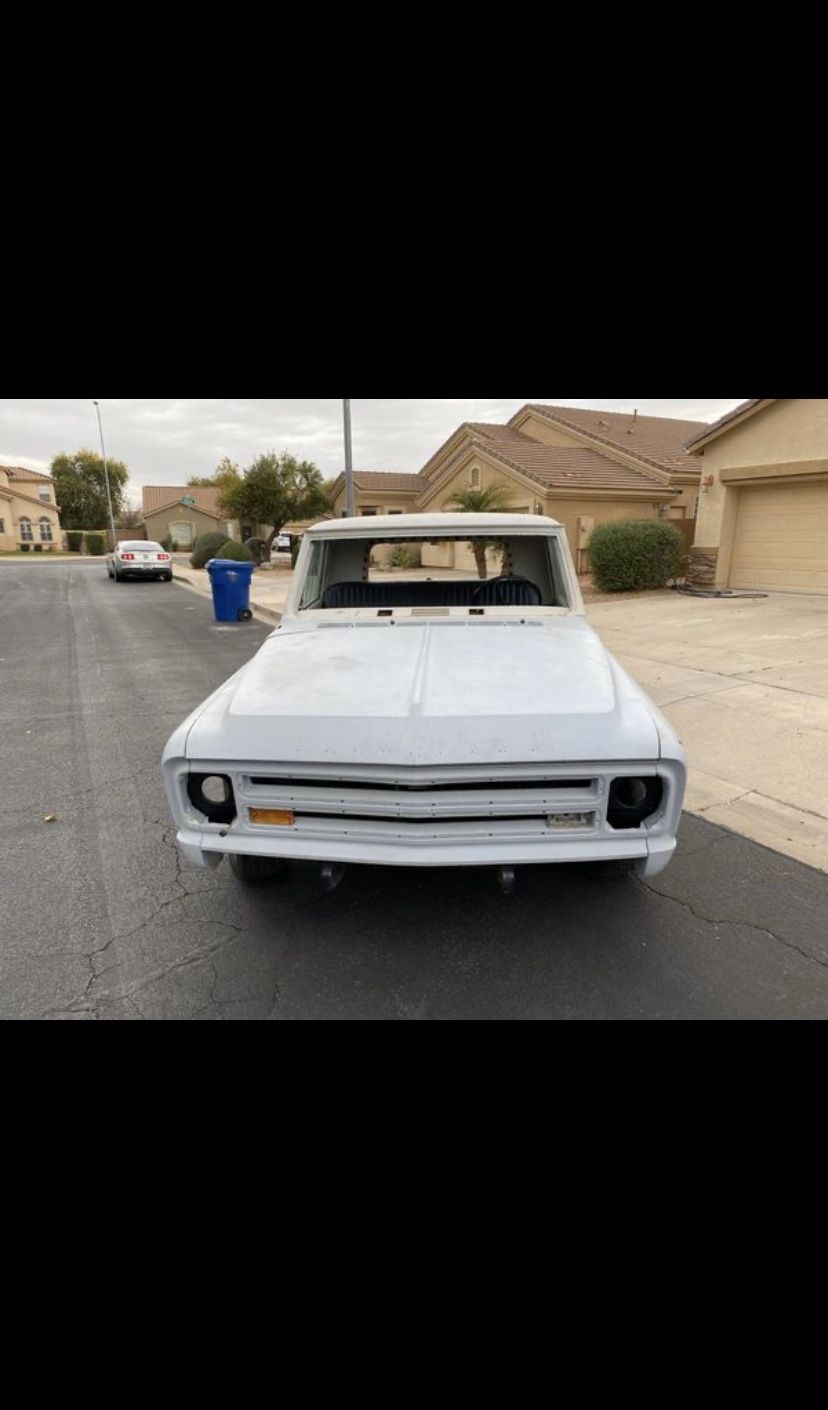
(97, 407)
(349, 461)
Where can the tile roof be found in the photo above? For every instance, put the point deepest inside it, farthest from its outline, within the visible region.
(659, 440)
(389, 481)
(560, 467)
(159, 497)
(19, 476)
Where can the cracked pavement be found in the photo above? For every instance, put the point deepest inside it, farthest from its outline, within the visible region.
(99, 919)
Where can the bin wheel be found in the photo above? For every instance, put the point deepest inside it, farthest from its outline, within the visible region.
(245, 615)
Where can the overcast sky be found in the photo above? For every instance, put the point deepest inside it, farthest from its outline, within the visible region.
(165, 440)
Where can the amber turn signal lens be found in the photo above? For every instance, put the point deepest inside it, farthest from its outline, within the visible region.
(272, 817)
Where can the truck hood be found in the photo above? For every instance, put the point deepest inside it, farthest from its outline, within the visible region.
(417, 693)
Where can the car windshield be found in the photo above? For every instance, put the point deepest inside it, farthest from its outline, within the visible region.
(435, 574)
(142, 547)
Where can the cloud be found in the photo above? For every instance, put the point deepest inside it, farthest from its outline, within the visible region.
(166, 440)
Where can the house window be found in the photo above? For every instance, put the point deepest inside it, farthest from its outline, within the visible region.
(474, 478)
(46, 531)
(370, 513)
(44, 495)
(2, 526)
(26, 535)
(395, 511)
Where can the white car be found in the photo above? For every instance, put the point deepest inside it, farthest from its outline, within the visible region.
(281, 548)
(429, 718)
(139, 560)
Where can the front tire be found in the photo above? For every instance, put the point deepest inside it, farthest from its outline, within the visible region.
(252, 869)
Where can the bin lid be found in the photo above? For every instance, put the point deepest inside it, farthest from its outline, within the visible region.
(239, 567)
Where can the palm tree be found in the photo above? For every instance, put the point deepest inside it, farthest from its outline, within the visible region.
(491, 501)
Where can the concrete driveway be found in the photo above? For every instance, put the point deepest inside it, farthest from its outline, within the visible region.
(745, 683)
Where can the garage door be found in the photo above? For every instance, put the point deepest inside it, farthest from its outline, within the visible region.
(782, 538)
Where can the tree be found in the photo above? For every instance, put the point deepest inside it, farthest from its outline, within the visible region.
(275, 490)
(80, 487)
(129, 519)
(491, 501)
(227, 472)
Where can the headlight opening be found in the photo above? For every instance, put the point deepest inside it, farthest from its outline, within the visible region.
(632, 801)
(212, 795)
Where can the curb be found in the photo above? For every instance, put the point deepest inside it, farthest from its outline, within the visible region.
(264, 614)
(267, 614)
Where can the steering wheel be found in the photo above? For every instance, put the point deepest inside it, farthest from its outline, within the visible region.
(499, 597)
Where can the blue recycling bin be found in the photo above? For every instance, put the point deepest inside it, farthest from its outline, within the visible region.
(230, 582)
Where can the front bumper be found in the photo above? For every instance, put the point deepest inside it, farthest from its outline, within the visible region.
(432, 818)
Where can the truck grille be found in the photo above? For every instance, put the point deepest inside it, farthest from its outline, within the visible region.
(441, 801)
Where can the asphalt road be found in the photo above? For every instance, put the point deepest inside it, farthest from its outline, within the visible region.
(99, 921)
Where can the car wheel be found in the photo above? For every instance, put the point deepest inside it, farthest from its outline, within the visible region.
(257, 868)
(118, 577)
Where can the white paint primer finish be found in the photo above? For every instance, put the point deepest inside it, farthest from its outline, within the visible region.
(339, 695)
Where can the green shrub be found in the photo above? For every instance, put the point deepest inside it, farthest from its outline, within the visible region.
(257, 548)
(95, 544)
(167, 544)
(234, 551)
(295, 545)
(205, 548)
(404, 557)
(635, 554)
(74, 541)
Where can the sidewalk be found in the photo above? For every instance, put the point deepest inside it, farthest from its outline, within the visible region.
(268, 595)
(745, 685)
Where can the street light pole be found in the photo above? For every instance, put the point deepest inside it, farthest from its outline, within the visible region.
(97, 407)
(349, 461)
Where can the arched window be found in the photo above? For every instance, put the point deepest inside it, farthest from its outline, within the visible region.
(26, 535)
(46, 530)
(183, 534)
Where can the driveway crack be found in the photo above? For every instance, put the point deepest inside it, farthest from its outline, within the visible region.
(744, 924)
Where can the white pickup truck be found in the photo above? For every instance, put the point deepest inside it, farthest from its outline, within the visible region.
(427, 717)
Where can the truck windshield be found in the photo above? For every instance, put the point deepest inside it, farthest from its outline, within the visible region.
(435, 574)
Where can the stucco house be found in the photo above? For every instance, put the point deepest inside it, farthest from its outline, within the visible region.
(183, 514)
(578, 466)
(763, 507)
(29, 513)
